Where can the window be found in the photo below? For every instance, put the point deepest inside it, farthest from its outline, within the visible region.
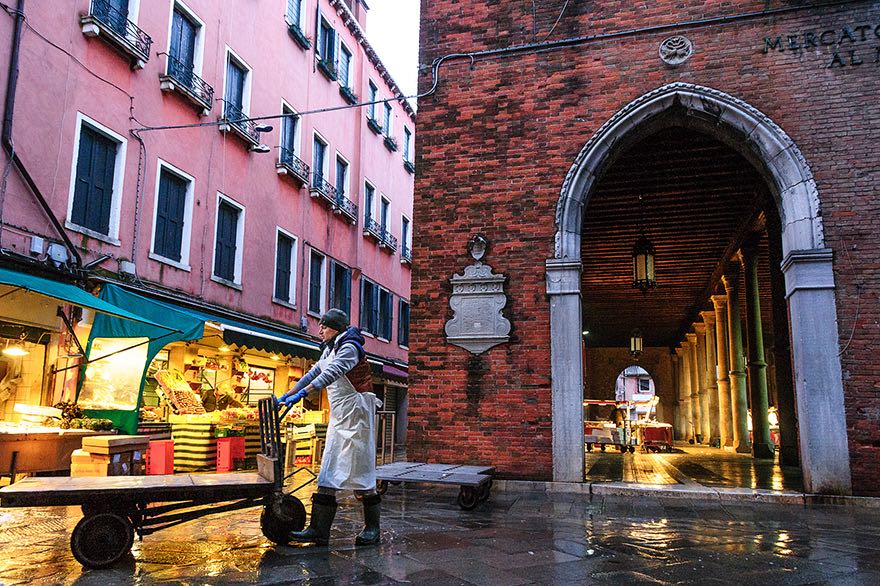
(316, 283)
(341, 177)
(404, 235)
(173, 216)
(96, 181)
(182, 48)
(386, 308)
(374, 95)
(344, 66)
(389, 120)
(383, 214)
(403, 323)
(236, 94)
(407, 145)
(289, 132)
(115, 13)
(229, 239)
(319, 160)
(285, 267)
(369, 201)
(369, 306)
(325, 48)
(294, 13)
(644, 385)
(340, 287)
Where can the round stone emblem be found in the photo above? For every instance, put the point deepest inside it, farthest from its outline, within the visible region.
(676, 50)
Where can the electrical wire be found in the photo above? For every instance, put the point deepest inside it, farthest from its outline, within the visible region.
(558, 18)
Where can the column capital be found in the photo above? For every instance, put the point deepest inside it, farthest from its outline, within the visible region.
(719, 301)
(563, 276)
(700, 329)
(708, 317)
(682, 348)
(729, 282)
(808, 269)
(692, 339)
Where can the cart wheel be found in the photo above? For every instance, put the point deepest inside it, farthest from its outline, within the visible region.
(484, 491)
(602, 447)
(382, 486)
(589, 447)
(468, 498)
(632, 449)
(396, 482)
(100, 540)
(281, 516)
(359, 496)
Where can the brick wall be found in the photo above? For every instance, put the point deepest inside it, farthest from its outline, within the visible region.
(497, 139)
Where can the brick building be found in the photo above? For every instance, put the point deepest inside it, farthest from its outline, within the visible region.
(738, 141)
(137, 163)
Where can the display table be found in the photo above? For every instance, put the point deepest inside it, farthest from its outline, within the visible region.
(38, 449)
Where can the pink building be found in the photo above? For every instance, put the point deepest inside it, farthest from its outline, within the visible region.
(115, 121)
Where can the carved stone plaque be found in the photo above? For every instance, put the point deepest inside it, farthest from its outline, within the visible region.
(477, 300)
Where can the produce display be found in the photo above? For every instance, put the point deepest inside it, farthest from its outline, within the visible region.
(178, 392)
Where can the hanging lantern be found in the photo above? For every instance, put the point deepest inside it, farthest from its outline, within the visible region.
(643, 265)
(635, 343)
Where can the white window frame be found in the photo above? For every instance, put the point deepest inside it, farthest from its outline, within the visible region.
(347, 183)
(340, 46)
(389, 131)
(383, 198)
(134, 9)
(323, 308)
(302, 15)
(372, 97)
(297, 133)
(325, 166)
(239, 242)
(186, 235)
(379, 314)
(407, 144)
(118, 180)
(199, 49)
(294, 254)
(371, 209)
(248, 79)
(319, 54)
(408, 242)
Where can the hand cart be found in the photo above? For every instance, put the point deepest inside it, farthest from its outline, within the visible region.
(601, 434)
(475, 482)
(116, 507)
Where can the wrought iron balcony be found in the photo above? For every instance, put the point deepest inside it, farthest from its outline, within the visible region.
(322, 188)
(346, 207)
(372, 228)
(237, 121)
(181, 77)
(409, 166)
(374, 125)
(348, 95)
(328, 68)
(292, 165)
(388, 241)
(106, 20)
(405, 254)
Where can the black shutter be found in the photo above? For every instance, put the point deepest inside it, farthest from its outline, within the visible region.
(374, 309)
(169, 216)
(315, 284)
(183, 47)
(387, 314)
(227, 227)
(403, 323)
(282, 267)
(345, 304)
(235, 85)
(93, 188)
(334, 267)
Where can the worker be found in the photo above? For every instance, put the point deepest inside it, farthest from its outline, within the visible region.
(349, 460)
(617, 415)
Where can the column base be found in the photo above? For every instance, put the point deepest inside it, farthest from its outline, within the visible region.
(744, 448)
(715, 442)
(763, 451)
(788, 456)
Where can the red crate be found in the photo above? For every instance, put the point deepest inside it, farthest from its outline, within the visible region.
(230, 453)
(160, 457)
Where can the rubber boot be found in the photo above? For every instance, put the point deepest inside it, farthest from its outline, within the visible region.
(323, 512)
(371, 533)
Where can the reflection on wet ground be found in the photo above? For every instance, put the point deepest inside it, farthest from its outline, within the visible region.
(514, 538)
(693, 464)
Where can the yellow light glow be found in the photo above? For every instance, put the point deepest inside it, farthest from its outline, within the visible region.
(274, 357)
(224, 348)
(15, 351)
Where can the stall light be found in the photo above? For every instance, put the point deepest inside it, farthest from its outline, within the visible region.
(585, 333)
(224, 348)
(14, 351)
(274, 357)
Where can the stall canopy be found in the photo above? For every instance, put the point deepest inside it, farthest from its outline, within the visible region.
(67, 293)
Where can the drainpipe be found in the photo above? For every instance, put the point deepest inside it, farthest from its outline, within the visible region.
(11, 85)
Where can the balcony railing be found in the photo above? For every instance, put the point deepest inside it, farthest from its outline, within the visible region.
(372, 228)
(237, 121)
(409, 166)
(374, 125)
(181, 77)
(322, 188)
(125, 35)
(388, 241)
(328, 68)
(346, 207)
(405, 254)
(390, 143)
(292, 165)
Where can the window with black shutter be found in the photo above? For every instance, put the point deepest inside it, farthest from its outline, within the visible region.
(283, 268)
(319, 154)
(226, 244)
(93, 189)
(386, 307)
(235, 79)
(326, 46)
(403, 324)
(170, 211)
(340, 287)
(370, 307)
(316, 283)
(183, 47)
(369, 198)
(341, 177)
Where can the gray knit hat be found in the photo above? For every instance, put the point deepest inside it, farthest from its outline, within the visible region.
(336, 319)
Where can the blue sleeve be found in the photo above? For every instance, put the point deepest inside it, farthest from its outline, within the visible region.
(345, 359)
(311, 375)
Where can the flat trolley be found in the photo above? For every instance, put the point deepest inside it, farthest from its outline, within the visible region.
(475, 482)
(116, 507)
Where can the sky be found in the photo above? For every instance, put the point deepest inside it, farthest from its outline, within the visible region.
(393, 30)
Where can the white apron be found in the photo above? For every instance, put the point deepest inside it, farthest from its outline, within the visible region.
(349, 460)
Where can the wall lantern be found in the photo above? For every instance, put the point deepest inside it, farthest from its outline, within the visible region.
(643, 265)
(635, 343)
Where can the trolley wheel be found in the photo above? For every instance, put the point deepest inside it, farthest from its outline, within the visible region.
(100, 540)
(632, 449)
(484, 491)
(602, 447)
(589, 447)
(359, 496)
(468, 498)
(283, 514)
(381, 486)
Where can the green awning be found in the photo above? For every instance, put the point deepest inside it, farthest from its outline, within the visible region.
(67, 293)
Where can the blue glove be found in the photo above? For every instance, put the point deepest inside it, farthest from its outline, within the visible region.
(295, 398)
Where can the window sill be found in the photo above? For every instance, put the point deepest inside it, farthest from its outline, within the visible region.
(383, 340)
(367, 334)
(316, 315)
(230, 284)
(348, 95)
(92, 234)
(390, 144)
(328, 69)
(170, 262)
(404, 347)
(301, 39)
(409, 166)
(284, 303)
(374, 125)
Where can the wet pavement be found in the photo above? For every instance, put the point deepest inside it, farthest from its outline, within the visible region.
(689, 465)
(514, 538)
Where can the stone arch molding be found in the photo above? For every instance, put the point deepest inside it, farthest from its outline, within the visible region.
(744, 127)
(809, 278)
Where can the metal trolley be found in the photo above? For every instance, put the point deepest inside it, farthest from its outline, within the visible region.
(116, 507)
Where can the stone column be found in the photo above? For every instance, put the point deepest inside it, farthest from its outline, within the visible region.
(739, 401)
(705, 427)
(725, 416)
(809, 288)
(762, 446)
(685, 389)
(677, 426)
(711, 380)
(695, 387)
(566, 369)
